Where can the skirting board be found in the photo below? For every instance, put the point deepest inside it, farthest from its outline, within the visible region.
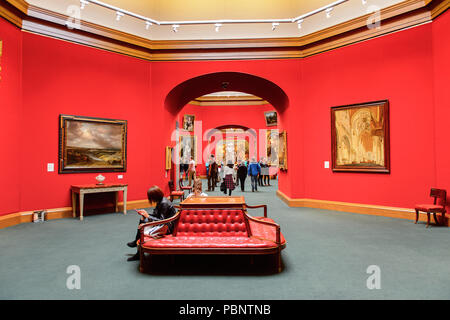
(392, 212)
(59, 213)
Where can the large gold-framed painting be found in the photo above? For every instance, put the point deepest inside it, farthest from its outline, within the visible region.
(231, 149)
(360, 137)
(89, 144)
(282, 151)
(188, 148)
(271, 118)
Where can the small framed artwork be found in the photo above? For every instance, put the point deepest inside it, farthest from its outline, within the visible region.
(282, 151)
(360, 137)
(188, 122)
(92, 144)
(271, 118)
(169, 158)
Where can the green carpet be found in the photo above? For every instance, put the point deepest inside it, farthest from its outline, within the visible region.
(326, 257)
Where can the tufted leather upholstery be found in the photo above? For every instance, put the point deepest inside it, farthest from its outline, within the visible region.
(216, 229)
(212, 223)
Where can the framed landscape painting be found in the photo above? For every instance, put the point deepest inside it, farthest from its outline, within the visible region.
(271, 118)
(92, 144)
(360, 137)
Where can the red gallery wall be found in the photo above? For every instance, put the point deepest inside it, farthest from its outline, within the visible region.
(65, 78)
(397, 67)
(11, 110)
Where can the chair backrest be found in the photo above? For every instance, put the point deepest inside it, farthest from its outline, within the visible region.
(171, 186)
(439, 194)
(212, 223)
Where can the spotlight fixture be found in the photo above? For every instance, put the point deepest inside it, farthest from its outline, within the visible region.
(120, 12)
(83, 4)
(119, 15)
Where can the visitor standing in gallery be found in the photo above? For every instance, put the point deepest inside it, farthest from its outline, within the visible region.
(254, 169)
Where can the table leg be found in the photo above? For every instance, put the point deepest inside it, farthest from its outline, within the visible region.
(81, 205)
(125, 201)
(116, 201)
(74, 204)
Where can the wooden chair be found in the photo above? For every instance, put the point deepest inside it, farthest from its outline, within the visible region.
(435, 207)
(174, 193)
(182, 187)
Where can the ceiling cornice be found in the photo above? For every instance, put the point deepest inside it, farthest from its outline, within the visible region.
(397, 17)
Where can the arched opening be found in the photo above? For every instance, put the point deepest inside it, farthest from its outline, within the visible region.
(199, 86)
(193, 132)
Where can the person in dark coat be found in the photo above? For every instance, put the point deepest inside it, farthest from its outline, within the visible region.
(212, 173)
(164, 209)
(242, 174)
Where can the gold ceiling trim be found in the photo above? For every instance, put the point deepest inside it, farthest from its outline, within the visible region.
(395, 18)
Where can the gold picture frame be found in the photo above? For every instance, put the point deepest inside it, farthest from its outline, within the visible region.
(360, 137)
(271, 118)
(188, 148)
(282, 151)
(188, 122)
(169, 158)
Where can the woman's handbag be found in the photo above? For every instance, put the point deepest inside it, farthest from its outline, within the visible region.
(223, 188)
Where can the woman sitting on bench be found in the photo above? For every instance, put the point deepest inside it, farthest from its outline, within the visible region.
(163, 210)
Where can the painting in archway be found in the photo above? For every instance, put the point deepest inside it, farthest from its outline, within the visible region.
(232, 149)
(91, 144)
(360, 137)
(271, 118)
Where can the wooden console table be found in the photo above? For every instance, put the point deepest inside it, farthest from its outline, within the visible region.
(95, 188)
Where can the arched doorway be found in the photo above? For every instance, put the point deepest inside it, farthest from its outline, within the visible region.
(185, 92)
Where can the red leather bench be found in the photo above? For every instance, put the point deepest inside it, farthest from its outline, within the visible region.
(216, 231)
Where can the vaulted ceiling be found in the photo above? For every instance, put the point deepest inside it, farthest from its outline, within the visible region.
(175, 10)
